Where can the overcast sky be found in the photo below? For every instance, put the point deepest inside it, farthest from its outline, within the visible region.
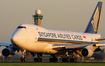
(71, 15)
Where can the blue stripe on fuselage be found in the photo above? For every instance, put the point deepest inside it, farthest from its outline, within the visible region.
(63, 41)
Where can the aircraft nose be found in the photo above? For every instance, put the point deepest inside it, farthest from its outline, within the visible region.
(18, 38)
(14, 39)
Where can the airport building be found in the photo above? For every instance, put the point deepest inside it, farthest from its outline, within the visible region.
(37, 18)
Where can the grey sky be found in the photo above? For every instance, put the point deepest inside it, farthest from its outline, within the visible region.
(71, 15)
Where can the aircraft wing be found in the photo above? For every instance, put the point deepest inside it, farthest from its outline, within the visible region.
(99, 39)
(5, 44)
(69, 46)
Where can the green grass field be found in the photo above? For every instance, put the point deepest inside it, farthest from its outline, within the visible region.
(52, 64)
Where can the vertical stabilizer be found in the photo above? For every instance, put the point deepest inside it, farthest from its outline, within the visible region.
(94, 21)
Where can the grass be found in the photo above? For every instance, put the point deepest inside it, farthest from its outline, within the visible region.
(52, 64)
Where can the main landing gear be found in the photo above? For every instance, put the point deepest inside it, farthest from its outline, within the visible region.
(70, 57)
(53, 58)
(37, 57)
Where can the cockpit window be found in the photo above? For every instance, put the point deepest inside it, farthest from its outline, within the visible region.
(21, 27)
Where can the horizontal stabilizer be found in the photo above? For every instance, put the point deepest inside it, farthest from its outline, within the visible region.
(99, 39)
(99, 45)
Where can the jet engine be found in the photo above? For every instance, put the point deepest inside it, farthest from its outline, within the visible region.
(87, 52)
(8, 52)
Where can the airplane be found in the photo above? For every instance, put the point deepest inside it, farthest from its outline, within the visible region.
(60, 44)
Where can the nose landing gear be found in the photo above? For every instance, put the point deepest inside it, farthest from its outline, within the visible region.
(23, 58)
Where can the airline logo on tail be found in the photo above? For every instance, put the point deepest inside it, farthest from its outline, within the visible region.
(95, 20)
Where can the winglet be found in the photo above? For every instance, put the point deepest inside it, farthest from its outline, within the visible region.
(94, 21)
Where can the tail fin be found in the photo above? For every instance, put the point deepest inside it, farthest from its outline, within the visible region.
(94, 21)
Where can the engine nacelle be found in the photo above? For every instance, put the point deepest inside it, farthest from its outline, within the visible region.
(87, 52)
(8, 52)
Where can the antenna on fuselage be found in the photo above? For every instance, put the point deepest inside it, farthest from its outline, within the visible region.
(37, 18)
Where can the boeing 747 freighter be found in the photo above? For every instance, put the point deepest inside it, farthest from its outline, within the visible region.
(60, 44)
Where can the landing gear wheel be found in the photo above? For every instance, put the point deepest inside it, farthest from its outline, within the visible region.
(69, 59)
(37, 59)
(65, 60)
(23, 59)
(73, 59)
(53, 59)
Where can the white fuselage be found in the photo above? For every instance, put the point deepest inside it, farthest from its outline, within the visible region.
(37, 39)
